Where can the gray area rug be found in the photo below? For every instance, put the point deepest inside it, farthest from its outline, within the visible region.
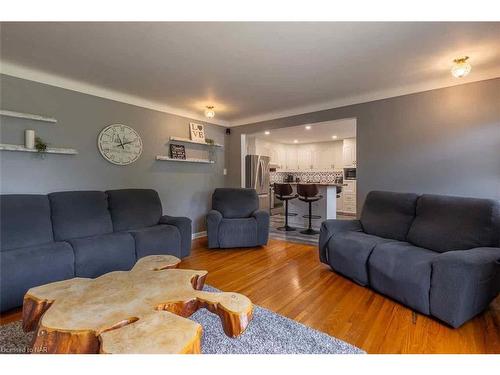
(267, 333)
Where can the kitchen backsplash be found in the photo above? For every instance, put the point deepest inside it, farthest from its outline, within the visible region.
(321, 177)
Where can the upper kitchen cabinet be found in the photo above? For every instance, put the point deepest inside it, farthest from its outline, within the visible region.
(305, 157)
(349, 152)
(292, 161)
(278, 156)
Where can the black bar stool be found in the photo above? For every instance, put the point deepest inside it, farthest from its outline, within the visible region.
(284, 192)
(309, 193)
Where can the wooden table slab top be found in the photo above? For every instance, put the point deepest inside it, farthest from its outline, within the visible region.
(139, 311)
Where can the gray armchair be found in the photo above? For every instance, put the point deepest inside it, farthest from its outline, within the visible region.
(235, 219)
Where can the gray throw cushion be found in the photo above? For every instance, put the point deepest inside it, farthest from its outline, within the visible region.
(95, 256)
(77, 214)
(403, 272)
(134, 208)
(24, 220)
(27, 267)
(159, 239)
(445, 223)
(235, 202)
(348, 253)
(238, 233)
(387, 214)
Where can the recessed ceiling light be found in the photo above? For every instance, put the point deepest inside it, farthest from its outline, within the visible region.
(267, 132)
(334, 137)
(461, 67)
(295, 141)
(308, 127)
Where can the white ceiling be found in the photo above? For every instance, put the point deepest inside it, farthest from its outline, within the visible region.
(318, 132)
(249, 71)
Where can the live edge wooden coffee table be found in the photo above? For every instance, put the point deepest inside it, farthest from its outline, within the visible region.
(139, 311)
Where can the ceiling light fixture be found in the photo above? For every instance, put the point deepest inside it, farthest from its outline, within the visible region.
(295, 141)
(334, 137)
(267, 132)
(308, 127)
(209, 111)
(461, 67)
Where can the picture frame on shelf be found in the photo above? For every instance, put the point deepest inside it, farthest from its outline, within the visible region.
(197, 132)
(177, 151)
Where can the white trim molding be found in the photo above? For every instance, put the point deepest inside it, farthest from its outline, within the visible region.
(199, 235)
(30, 74)
(18, 71)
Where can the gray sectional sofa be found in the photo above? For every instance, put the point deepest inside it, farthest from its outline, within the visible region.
(439, 255)
(235, 219)
(46, 238)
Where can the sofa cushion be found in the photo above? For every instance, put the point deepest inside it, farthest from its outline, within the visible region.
(31, 266)
(235, 202)
(159, 239)
(348, 254)
(445, 223)
(97, 255)
(403, 272)
(238, 233)
(134, 208)
(24, 220)
(387, 214)
(77, 214)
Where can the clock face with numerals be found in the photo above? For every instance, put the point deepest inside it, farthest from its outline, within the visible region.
(120, 144)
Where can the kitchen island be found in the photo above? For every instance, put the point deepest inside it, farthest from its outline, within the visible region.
(326, 207)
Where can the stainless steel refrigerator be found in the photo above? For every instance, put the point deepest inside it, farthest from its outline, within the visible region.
(257, 177)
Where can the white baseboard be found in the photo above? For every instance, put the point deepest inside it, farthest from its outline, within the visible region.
(199, 235)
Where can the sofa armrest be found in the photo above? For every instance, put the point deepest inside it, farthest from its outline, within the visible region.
(213, 220)
(262, 218)
(463, 283)
(185, 229)
(330, 228)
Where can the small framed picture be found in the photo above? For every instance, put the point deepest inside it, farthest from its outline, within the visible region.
(177, 151)
(197, 132)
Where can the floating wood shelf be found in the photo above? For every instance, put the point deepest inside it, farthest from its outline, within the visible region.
(50, 150)
(27, 116)
(187, 140)
(188, 160)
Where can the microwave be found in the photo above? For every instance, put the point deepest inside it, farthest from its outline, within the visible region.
(349, 173)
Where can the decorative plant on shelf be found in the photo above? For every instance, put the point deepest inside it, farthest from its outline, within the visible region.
(209, 141)
(40, 145)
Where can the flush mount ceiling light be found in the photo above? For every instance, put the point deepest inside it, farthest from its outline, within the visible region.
(308, 127)
(334, 137)
(209, 111)
(267, 132)
(461, 67)
(295, 141)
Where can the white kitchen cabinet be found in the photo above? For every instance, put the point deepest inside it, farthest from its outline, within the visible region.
(349, 197)
(291, 158)
(304, 156)
(278, 155)
(349, 152)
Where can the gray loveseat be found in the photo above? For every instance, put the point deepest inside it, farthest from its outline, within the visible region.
(235, 219)
(46, 238)
(439, 255)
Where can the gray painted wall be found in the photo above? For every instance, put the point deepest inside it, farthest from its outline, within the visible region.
(444, 141)
(185, 189)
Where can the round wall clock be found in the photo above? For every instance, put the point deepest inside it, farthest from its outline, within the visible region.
(120, 144)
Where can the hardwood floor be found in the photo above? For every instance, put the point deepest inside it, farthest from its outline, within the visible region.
(289, 279)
